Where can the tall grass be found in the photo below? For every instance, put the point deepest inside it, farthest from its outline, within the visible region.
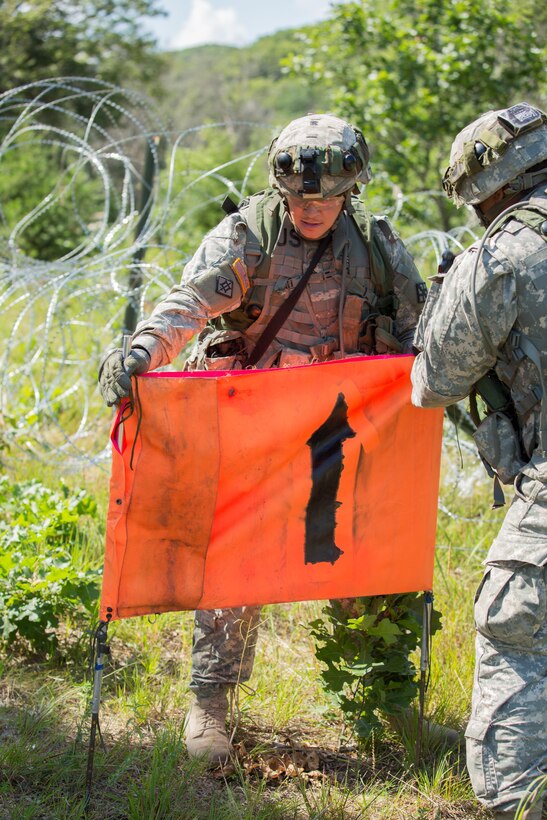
(144, 771)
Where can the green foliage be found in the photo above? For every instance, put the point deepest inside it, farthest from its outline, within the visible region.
(48, 218)
(412, 75)
(366, 646)
(215, 83)
(50, 191)
(57, 38)
(197, 198)
(40, 580)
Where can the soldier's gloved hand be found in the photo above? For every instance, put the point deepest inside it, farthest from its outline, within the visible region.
(115, 372)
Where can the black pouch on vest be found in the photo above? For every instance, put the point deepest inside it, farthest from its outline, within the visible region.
(498, 445)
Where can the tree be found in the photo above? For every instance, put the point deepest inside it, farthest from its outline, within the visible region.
(96, 41)
(89, 38)
(214, 83)
(413, 74)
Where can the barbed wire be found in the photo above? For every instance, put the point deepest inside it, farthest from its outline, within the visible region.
(120, 204)
(126, 191)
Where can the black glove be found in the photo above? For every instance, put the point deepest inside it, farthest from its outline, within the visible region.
(115, 372)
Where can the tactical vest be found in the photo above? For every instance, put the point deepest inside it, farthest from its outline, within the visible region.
(275, 256)
(529, 336)
(527, 380)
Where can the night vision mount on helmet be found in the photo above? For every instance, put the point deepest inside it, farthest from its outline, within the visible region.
(497, 151)
(317, 157)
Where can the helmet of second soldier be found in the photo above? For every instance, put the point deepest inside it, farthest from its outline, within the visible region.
(497, 151)
(318, 156)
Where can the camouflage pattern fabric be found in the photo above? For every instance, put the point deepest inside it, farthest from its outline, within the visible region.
(506, 155)
(223, 648)
(333, 139)
(507, 732)
(214, 283)
(454, 355)
(210, 287)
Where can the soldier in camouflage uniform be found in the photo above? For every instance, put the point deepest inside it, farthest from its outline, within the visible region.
(491, 312)
(364, 296)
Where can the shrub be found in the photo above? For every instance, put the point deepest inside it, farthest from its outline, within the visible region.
(42, 576)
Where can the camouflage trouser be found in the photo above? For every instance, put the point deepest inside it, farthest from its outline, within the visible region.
(507, 732)
(224, 646)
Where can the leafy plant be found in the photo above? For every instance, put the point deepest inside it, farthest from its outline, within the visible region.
(56, 38)
(413, 74)
(366, 646)
(40, 580)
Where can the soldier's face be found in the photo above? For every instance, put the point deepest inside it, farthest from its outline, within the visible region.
(313, 218)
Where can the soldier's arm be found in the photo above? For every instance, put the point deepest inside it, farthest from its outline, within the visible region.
(455, 355)
(213, 282)
(410, 289)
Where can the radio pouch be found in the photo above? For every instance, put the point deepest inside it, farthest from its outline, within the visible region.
(499, 447)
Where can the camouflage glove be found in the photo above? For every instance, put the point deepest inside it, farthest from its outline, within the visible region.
(115, 372)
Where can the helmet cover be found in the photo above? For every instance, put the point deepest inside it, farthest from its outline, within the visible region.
(493, 151)
(318, 156)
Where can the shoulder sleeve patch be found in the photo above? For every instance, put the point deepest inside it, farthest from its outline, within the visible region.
(421, 292)
(240, 269)
(224, 286)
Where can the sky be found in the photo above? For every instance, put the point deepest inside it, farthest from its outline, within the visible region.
(230, 22)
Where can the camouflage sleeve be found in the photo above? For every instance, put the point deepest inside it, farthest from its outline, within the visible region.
(455, 351)
(213, 282)
(410, 289)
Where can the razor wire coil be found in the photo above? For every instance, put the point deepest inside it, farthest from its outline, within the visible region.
(58, 315)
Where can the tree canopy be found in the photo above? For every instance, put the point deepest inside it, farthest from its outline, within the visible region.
(413, 74)
(58, 38)
(215, 83)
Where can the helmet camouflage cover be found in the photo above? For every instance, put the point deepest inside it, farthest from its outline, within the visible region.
(494, 150)
(318, 156)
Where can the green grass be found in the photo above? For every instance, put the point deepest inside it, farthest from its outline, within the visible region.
(284, 718)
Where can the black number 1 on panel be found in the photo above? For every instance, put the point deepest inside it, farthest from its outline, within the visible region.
(326, 465)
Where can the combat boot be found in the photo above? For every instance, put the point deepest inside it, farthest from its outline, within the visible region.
(435, 736)
(205, 730)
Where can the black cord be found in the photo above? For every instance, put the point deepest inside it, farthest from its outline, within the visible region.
(135, 403)
(92, 649)
(103, 744)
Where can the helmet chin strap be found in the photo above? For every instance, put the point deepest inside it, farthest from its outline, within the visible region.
(518, 188)
(527, 180)
(348, 207)
(487, 217)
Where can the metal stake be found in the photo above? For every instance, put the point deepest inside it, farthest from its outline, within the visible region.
(102, 650)
(425, 660)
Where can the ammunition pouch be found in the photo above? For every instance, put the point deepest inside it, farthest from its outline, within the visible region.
(499, 446)
(377, 337)
(386, 343)
(367, 336)
(322, 352)
(218, 350)
(351, 322)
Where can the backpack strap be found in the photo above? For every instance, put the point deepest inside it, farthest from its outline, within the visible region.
(381, 270)
(528, 213)
(263, 217)
(533, 218)
(521, 344)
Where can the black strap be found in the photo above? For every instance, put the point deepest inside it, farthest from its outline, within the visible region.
(282, 313)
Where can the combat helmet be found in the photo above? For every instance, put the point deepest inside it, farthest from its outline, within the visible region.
(317, 157)
(495, 151)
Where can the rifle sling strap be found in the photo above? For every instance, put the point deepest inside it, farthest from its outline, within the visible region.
(282, 313)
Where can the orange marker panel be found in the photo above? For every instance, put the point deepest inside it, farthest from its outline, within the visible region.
(255, 487)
